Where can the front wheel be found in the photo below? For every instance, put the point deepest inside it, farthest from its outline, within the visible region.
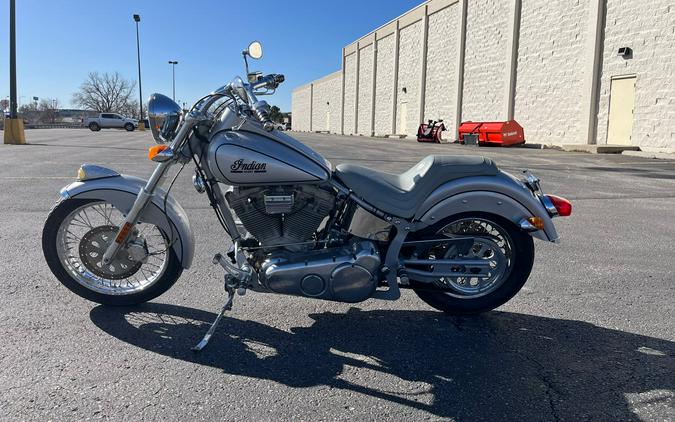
(129, 127)
(76, 235)
(508, 251)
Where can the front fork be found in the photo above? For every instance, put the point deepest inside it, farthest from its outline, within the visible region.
(144, 196)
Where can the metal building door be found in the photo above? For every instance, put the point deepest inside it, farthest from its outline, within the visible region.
(403, 119)
(621, 106)
(328, 121)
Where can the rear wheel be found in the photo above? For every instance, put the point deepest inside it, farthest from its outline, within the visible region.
(94, 127)
(77, 233)
(508, 251)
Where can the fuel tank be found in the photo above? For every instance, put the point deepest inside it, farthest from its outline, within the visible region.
(244, 158)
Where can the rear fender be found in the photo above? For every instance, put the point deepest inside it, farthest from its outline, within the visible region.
(502, 195)
(121, 192)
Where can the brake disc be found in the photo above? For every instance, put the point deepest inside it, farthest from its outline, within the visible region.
(92, 247)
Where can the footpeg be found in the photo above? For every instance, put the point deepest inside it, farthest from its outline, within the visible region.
(403, 277)
(236, 278)
(217, 258)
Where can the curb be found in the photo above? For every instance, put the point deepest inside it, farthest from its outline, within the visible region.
(598, 149)
(653, 155)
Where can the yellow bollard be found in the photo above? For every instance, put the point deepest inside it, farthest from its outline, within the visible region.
(141, 125)
(14, 133)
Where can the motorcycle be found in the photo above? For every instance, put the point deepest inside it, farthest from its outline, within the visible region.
(456, 230)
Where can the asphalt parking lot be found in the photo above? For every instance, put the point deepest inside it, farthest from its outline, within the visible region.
(590, 337)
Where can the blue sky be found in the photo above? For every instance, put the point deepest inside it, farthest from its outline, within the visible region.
(59, 42)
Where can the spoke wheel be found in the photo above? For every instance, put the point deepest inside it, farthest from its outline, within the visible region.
(76, 235)
(508, 251)
(86, 233)
(491, 243)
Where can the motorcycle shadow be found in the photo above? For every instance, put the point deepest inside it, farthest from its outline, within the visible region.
(499, 365)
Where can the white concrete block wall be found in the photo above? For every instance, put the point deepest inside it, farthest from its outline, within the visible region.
(485, 59)
(350, 93)
(335, 100)
(326, 103)
(550, 70)
(649, 29)
(300, 108)
(552, 94)
(409, 69)
(319, 107)
(384, 85)
(365, 91)
(441, 81)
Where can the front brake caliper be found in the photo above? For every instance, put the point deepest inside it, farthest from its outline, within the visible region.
(137, 248)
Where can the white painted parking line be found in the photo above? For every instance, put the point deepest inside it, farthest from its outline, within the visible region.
(36, 177)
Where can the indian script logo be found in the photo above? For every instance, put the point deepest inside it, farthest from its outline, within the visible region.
(240, 166)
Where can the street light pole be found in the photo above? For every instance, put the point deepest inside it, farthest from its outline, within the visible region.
(173, 64)
(14, 133)
(141, 124)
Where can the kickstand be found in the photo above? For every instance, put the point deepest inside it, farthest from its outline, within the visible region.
(228, 306)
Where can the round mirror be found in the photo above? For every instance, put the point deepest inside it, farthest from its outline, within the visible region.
(255, 50)
(164, 116)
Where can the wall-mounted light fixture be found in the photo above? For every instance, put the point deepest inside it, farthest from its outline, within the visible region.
(405, 90)
(625, 52)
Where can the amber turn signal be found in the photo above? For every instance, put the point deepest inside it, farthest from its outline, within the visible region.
(154, 150)
(537, 222)
(123, 233)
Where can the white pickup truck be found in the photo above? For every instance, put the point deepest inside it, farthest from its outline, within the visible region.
(110, 120)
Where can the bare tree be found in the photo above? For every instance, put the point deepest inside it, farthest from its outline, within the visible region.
(130, 109)
(49, 110)
(46, 111)
(106, 93)
(30, 112)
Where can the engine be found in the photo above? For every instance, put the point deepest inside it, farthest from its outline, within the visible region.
(277, 215)
(288, 215)
(344, 274)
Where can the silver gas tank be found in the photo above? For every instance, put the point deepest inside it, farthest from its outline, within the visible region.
(240, 158)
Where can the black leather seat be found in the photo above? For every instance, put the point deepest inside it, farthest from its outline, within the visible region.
(401, 194)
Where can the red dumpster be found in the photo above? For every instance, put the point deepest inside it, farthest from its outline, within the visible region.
(501, 134)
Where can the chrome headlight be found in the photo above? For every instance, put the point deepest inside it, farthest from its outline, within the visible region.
(164, 116)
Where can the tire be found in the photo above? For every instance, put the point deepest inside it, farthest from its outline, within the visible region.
(57, 215)
(94, 127)
(129, 127)
(522, 247)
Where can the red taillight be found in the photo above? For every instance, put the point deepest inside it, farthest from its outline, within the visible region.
(563, 206)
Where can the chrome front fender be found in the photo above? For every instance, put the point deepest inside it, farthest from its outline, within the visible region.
(502, 195)
(121, 192)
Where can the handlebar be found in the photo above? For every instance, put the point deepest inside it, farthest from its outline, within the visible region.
(245, 92)
(260, 108)
(236, 88)
(271, 81)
